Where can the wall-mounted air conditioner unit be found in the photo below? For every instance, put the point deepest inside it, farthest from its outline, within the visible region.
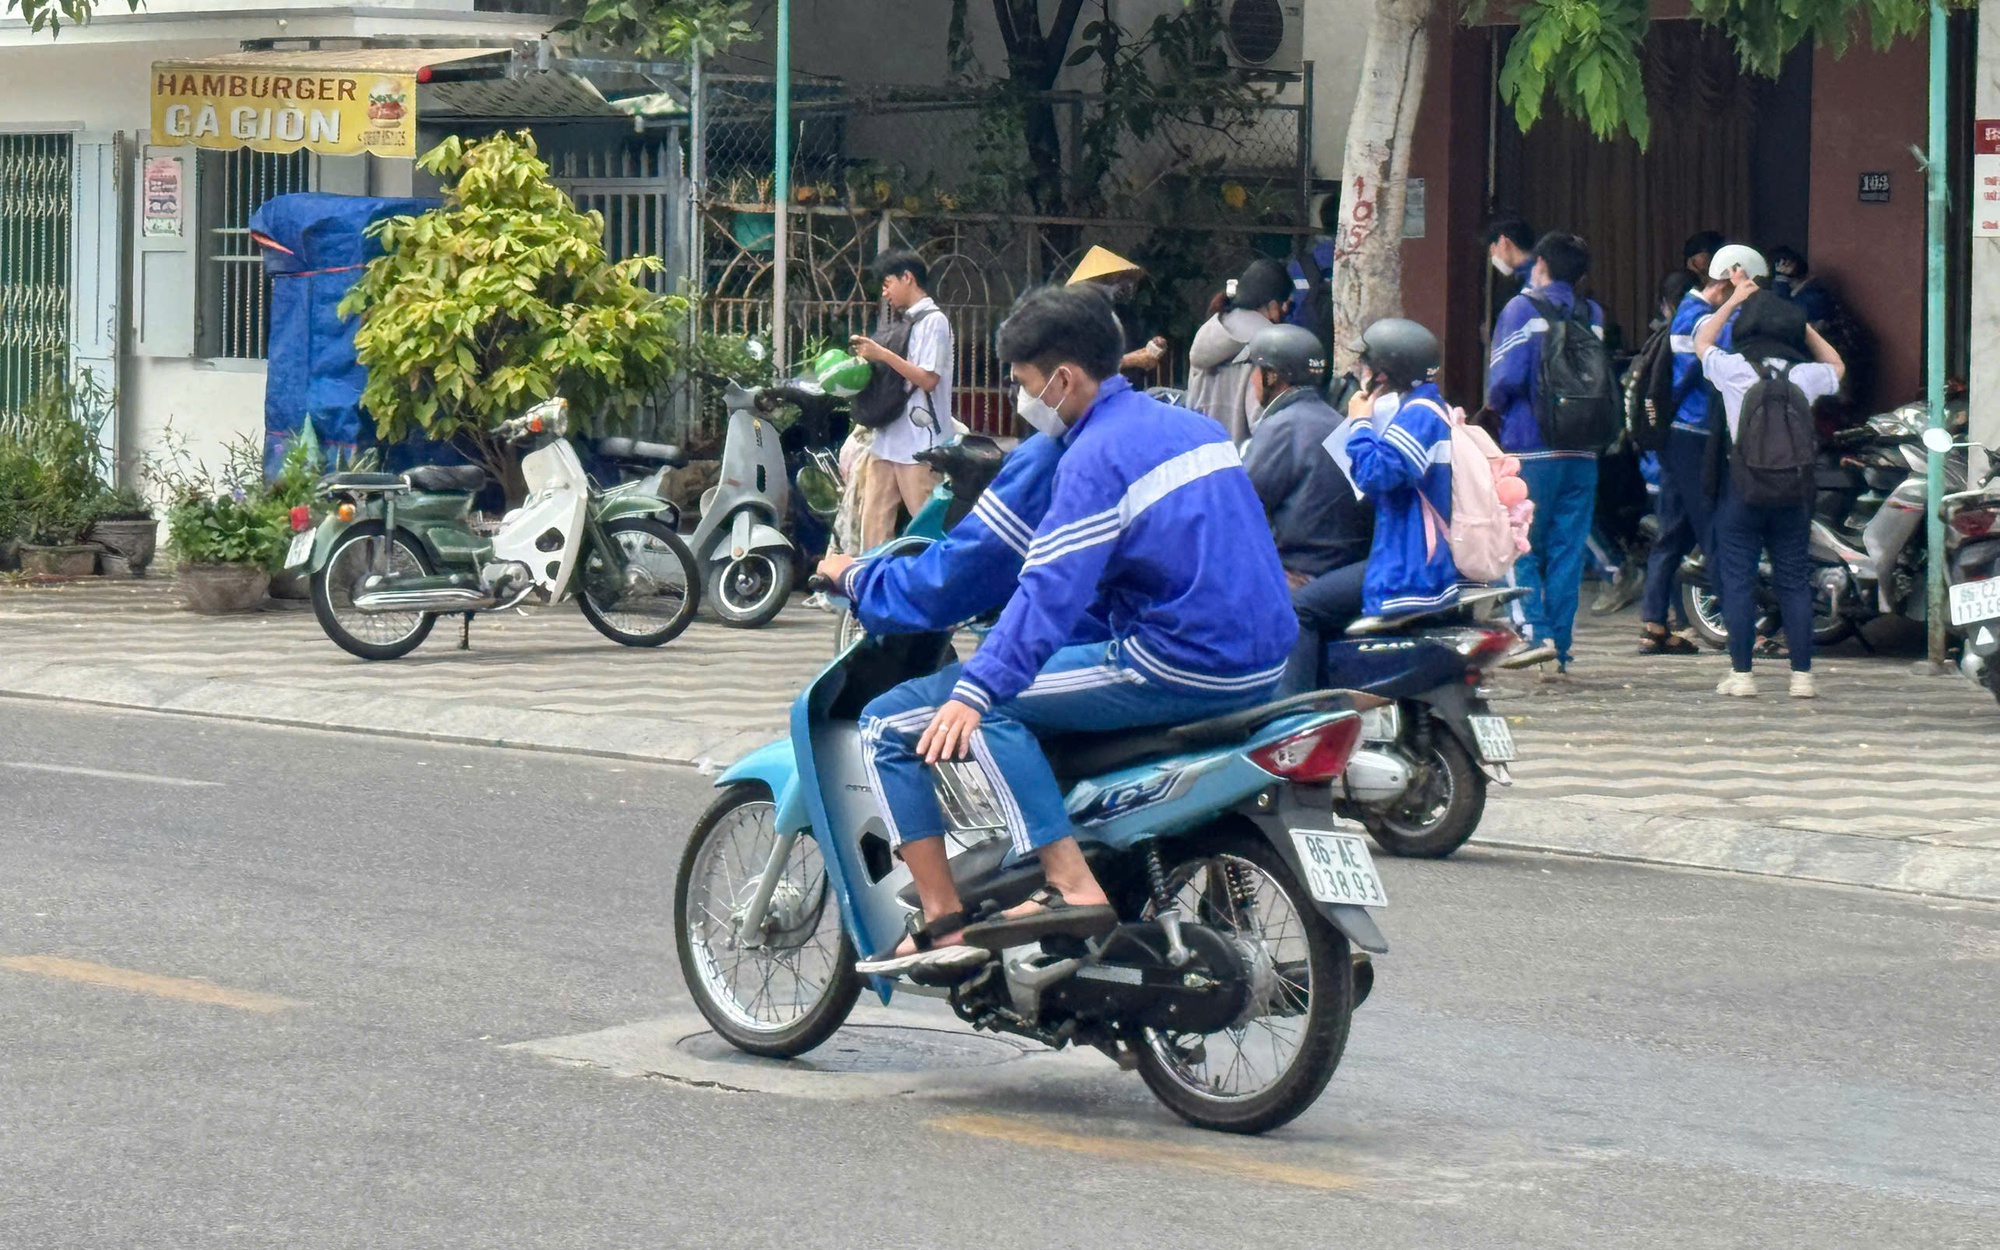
(1265, 36)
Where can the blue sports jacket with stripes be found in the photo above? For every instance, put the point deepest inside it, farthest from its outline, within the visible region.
(975, 567)
(1401, 466)
(1154, 520)
(1517, 363)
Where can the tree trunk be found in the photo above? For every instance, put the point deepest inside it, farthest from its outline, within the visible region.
(1368, 265)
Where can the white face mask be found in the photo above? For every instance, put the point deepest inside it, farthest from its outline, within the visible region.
(1038, 413)
(1500, 263)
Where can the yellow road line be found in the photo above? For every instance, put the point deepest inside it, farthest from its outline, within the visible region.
(1195, 1158)
(188, 991)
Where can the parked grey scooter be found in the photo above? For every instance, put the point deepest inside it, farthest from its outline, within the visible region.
(739, 542)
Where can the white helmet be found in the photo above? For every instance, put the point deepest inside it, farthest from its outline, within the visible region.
(1734, 255)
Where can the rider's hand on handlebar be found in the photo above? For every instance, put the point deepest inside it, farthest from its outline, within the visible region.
(866, 348)
(949, 736)
(833, 566)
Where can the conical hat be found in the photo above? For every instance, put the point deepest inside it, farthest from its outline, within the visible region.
(1101, 262)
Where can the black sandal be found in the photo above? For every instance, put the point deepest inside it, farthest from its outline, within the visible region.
(1058, 917)
(1651, 643)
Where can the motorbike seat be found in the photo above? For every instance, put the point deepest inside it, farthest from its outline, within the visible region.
(447, 477)
(633, 450)
(970, 464)
(363, 483)
(1079, 755)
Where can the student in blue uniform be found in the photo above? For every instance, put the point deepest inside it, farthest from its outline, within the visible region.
(1563, 484)
(1398, 446)
(1153, 519)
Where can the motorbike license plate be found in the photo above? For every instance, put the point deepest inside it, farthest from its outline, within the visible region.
(1975, 601)
(301, 549)
(1496, 741)
(1338, 868)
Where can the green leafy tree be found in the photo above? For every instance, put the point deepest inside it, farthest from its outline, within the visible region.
(663, 29)
(53, 15)
(500, 299)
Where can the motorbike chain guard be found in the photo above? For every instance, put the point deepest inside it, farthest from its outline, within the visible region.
(1132, 986)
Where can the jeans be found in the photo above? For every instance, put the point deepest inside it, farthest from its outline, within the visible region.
(1564, 489)
(1327, 604)
(1083, 688)
(1686, 518)
(1741, 534)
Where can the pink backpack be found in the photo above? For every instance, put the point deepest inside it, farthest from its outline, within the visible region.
(1484, 537)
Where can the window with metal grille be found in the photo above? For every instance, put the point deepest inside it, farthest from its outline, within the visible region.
(235, 322)
(35, 180)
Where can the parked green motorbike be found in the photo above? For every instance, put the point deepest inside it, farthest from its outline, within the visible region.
(399, 550)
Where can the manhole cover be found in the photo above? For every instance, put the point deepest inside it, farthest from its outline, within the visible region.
(885, 1048)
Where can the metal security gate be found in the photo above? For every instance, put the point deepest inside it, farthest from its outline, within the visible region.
(642, 194)
(36, 177)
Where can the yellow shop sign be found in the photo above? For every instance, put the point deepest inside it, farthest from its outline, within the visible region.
(336, 112)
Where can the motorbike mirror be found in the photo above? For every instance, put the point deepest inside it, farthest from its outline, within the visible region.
(1937, 440)
(820, 491)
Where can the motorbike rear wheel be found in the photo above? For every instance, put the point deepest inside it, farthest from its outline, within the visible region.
(796, 987)
(1440, 816)
(1303, 974)
(657, 611)
(1703, 609)
(369, 635)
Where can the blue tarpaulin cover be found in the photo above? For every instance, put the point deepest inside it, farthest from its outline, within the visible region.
(315, 246)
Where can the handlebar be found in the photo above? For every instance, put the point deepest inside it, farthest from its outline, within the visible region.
(822, 585)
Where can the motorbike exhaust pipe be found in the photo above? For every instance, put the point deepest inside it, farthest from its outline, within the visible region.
(433, 599)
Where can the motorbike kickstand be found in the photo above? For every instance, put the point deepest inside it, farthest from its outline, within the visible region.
(465, 633)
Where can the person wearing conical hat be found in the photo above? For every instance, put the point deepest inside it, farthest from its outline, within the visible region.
(1118, 278)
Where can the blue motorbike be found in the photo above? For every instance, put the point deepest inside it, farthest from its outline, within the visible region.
(1229, 981)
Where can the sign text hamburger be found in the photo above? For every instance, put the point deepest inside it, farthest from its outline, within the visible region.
(338, 113)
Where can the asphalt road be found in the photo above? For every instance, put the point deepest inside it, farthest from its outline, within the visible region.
(256, 987)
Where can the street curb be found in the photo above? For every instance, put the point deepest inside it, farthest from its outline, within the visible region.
(1598, 829)
(393, 714)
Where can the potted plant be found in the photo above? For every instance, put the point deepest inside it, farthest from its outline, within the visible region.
(122, 523)
(51, 476)
(227, 537)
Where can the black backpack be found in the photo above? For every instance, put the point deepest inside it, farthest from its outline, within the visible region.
(883, 399)
(1576, 392)
(1771, 457)
(1651, 398)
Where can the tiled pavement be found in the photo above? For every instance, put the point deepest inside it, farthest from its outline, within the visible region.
(1636, 741)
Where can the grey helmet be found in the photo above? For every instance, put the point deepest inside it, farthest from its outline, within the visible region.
(1401, 352)
(1292, 352)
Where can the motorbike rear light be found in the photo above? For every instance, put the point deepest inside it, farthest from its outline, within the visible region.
(345, 512)
(1488, 644)
(1974, 522)
(301, 518)
(1314, 756)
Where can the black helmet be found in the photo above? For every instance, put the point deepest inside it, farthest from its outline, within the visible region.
(1400, 351)
(1264, 282)
(1292, 352)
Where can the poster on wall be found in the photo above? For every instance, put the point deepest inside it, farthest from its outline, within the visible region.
(160, 196)
(1986, 179)
(332, 112)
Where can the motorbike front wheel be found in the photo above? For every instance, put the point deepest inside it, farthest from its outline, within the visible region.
(1273, 1064)
(750, 592)
(357, 553)
(1440, 812)
(1703, 609)
(660, 595)
(792, 988)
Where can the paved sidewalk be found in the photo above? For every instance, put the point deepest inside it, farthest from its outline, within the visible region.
(1888, 780)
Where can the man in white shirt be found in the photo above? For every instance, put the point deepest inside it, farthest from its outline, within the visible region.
(1772, 331)
(895, 478)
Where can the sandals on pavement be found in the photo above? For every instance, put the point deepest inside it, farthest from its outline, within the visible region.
(1651, 643)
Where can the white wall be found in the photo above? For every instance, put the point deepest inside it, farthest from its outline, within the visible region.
(1983, 398)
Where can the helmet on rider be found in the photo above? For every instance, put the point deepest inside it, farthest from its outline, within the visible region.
(1399, 352)
(1290, 353)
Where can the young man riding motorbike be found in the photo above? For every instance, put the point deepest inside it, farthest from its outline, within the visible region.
(1321, 525)
(1153, 519)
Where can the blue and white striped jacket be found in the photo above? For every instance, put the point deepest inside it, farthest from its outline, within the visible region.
(1696, 406)
(975, 568)
(1402, 465)
(1154, 520)
(1517, 363)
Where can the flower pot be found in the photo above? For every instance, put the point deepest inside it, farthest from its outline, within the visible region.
(213, 589)
(753, 232)
(133, 538)
(68, 560)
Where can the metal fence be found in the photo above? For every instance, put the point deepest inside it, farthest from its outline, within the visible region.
(235, 310)
(35, 190)
(874, 169)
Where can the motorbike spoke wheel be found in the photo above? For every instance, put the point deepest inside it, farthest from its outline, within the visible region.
(1272, 1064)
(750, 591)
(1703, 608)
(790, 990)
(847, 631)
(661, 587)
(1440, 814)
(357, 554)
